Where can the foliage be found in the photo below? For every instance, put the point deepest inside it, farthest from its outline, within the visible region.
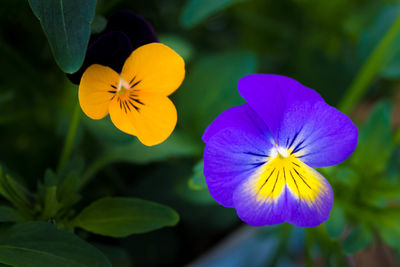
(71, 205)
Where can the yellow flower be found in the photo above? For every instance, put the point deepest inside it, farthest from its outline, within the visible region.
(137, 99)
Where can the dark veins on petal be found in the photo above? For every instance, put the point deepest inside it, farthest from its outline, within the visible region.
(124, 32)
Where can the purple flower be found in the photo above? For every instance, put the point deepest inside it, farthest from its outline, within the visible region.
(258, 156)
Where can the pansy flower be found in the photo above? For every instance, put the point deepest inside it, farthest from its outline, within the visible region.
(259, 156)
(124, 32)
(128, 75)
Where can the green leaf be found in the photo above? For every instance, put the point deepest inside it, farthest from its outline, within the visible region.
(120, 217)
(14, 192)
(118, 256)
(359, 238)
(223, 71)
(8, 214)
(375, 137)
(42, 244)
(335, 224)
(198, 181)
(195, 11)
(179, 44)
(372, 35)
(388, 226)
(66, 25)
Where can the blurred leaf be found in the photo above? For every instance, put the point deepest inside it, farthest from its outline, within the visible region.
(99, 24)
(105, 131)
(8, 214)
(372, 35)
(359, 238)
(176, 145)
(11, 190)
(197, 196)
(67, 28)
(335, 224)
(375, 141)
(42, 244)
(120, 217)
(116, 255)
(179, 44)
(221, 73)
(195, 11)
(387, 224)
(198, 181)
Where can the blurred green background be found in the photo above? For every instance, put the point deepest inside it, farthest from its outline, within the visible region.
(336, 47)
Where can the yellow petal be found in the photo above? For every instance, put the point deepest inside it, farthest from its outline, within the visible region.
(152, 119)
(121, 118)
(154, 68)
(97, 88)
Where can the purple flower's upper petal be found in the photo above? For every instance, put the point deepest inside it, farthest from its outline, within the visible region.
(285, 190)
(138, 30)
(231, 156)
(318, 134)
(238, 117)
(271, 95)
(111, 50)
(125, 31)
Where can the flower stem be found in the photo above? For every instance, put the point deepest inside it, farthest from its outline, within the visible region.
(371, 68)
(70, 138)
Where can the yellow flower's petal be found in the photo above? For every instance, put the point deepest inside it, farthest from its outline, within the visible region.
(120, 117)
(154, 68)
(152, 119)
(156, 120)
(97, 88)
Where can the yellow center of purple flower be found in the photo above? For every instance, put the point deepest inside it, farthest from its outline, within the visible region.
(284, 169)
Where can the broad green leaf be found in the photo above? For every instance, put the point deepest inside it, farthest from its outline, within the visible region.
(375, 141)
(213, 80)
(42, 244)
(198, 181)
(335, 224)
(8, 214)
(66, 25)
(359, 238)
(195, 11)
(372, 35)
(120, 217)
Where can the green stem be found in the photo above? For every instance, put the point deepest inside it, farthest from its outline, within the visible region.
(371, 68)
(69, 141)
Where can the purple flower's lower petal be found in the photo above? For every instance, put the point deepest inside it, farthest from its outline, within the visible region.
(318, 134)
(271, 95)
(109, 50)
(284, 190)
(230, 157)
(237, 117)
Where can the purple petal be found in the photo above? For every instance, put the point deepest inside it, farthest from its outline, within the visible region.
(284, 197)
(110, 50)
(271, 95)
(238, 117)
(230, 157)
(138, 30)
(318, 134)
